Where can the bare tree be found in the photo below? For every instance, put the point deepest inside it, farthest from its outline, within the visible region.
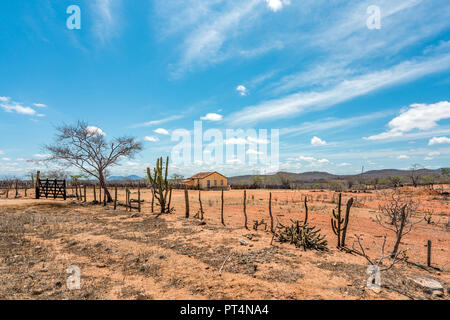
(397, 216)
(414, 174)
(400, 255)
(86, 148)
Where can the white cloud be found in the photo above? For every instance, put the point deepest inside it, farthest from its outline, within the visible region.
(434, 153)
(39, 105)
(4, 99)
(6, 159)
(94, 131)
(307, 158)
(418, 116)
(242, 90)
(161, 131)
(16, 107)
(438, 140)
(344, 164)
(316, 141)
(212, 117)
(151, 139)
(403, 156)
(323, 161)
(276, 5)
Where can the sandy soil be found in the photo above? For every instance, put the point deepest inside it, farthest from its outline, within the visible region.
(125, 255)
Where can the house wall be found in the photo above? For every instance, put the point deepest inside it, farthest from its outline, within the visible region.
(191, 183)
(215, 180)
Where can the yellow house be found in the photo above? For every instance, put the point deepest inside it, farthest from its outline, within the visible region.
(207, 180)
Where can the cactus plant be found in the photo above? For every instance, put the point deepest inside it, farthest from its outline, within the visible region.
(160, 184)
(338, 224)
(301, 235)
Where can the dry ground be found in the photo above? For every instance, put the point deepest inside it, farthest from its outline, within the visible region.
(125, 255)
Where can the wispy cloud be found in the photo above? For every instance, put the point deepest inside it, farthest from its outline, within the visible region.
(212, 31)
(107, 18)
(333, 124)
(158, 122)
(302, 102)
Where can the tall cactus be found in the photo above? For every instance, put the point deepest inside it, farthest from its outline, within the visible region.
(338, 224)
(160, 184)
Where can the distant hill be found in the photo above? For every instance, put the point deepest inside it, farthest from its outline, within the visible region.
(123, 178)
(317, 176)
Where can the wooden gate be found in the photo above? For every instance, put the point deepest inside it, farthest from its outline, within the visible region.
(51, 187)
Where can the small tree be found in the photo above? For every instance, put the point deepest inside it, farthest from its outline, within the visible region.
(285, 180)
(429, 181)
(445, 174)
(86, 148)
(258, 181)
(176, 178)
(395, 181)
(396, 215)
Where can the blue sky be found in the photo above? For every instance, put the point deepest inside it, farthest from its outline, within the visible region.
(342, 95)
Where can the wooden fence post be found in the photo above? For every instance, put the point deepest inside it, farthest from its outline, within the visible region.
(76, 188)
(85, 196)
(139, 199)
(221, 210)
(126, 199)
(95, 194)
(201, 206)
(38, 179)
(186, 201)
(245, 209)
(115, 198)
(429, 253)
(270, 212)
(153, 200)
(17, 189)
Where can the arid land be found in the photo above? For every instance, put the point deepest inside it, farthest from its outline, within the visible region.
(131, 255)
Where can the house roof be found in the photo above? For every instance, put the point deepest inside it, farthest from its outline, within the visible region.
(202, 175)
